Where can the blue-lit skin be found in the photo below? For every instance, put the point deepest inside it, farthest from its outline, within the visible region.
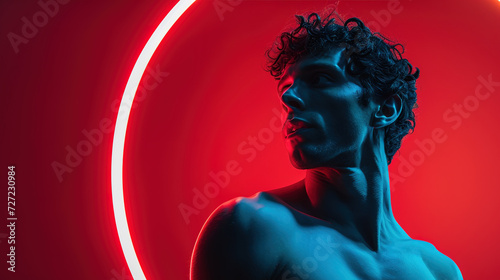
(337, 223)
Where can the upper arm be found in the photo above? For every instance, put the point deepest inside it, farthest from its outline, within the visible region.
(449, 270)
(216, 242)
(441, 266)
(229, 245)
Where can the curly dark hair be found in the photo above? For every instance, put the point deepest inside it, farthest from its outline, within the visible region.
(375, 60)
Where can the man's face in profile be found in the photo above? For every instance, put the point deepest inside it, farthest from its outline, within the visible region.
(325, 121)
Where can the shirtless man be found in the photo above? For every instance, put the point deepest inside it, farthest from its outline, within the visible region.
(347, 100)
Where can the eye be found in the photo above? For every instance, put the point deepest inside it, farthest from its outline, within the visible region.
(319, 79)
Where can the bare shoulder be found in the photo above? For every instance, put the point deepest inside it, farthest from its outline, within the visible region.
(441, 266)
(259, 212)
(240, 240)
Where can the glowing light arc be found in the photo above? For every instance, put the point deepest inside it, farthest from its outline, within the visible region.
(120, 133)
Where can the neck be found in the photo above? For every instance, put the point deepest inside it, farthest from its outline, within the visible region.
(356, 199)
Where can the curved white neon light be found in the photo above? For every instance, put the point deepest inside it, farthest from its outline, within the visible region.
(121, 129)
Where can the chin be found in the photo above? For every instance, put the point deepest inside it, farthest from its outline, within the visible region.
(299, 161)
(309, 157)
(298, 165)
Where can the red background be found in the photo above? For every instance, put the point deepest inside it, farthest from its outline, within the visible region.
(67, 77)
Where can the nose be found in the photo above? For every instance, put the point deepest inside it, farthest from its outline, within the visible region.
(292, 100)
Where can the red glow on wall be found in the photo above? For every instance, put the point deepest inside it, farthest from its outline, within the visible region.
(199, 132)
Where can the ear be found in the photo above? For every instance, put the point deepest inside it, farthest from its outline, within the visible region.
(388, 112)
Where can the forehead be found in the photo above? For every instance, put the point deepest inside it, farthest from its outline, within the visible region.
(334, 59)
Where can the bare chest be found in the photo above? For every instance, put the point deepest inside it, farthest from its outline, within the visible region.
(321, 255)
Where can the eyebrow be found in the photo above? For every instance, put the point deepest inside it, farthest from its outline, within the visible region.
(335, 69)
(321, 65)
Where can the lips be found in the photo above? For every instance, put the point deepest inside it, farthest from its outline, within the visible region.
(294, 125)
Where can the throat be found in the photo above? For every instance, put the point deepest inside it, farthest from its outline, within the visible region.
(355, 203)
